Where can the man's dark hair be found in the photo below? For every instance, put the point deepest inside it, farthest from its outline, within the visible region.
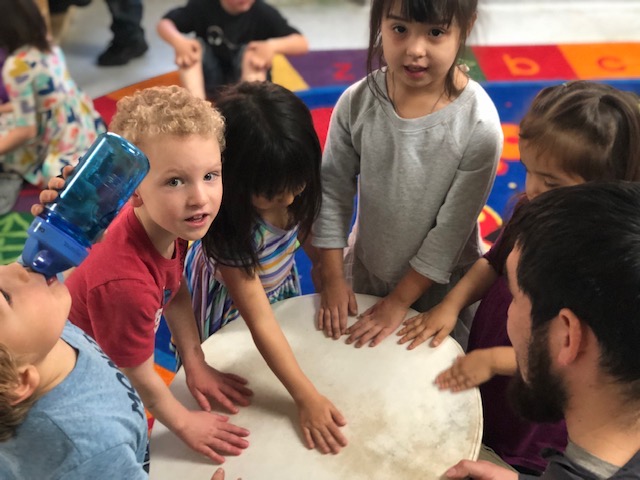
(580, 249)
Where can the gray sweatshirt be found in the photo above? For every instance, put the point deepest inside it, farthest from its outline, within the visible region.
(422, 182)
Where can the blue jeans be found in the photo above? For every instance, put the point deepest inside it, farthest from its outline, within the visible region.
(126, 20)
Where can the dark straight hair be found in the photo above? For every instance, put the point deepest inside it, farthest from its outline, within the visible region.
(271, 147)
(21, 23)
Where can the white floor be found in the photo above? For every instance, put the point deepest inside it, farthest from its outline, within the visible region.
(344, 25)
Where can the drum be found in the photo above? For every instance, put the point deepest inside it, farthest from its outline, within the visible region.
(400, 426)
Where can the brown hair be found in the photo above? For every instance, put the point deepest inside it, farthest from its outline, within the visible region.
(11, 414)
(166, 111)
(21, 23)
(440, 12)
(590, 129)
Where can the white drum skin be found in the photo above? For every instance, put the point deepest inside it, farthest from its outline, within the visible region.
(399, 425)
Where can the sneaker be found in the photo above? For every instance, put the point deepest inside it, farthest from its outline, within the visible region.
(10, 186)
(118, 53)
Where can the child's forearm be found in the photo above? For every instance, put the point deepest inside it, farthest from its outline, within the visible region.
(251, 300)
(182, 324)
(169, 33)
(472, 286)
(503, 361)
(332, 263)
(277, 353)
(16, 137)
(6, 107)
(410, 288)
(294, 44)
(312, 252)
(156, 396)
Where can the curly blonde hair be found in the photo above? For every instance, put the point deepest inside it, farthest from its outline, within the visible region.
(11, 414)
(166, 111)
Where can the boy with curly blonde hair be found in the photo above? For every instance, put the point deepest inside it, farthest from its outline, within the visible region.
(134, 276)
(66, 411)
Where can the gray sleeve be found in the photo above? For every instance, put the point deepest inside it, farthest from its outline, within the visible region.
(117, 462)
(340, 168)
(441, 249)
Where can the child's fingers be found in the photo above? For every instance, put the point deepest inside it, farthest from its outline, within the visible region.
(338, 417)
(66, 171)
(308, 440)
(210, 453)
(238, 379)
(218, 474)
(202, 400)
(333, 438)
(238, 397)
(337, 324)
(36, 209)
(336, 433)
(319, 440)
(353, 306)
(421, 338)
(47, 196)
(439, 337)
(56, 183)
(320, 319)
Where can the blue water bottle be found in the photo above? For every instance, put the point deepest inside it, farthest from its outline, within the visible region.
(104, 179)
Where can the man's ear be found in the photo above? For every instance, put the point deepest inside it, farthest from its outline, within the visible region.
(28, 382)
(136, 199)
(571, 336)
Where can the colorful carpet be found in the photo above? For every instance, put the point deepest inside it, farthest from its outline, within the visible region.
(512, 75)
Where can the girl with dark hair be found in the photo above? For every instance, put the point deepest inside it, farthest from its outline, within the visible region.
(419, 142)
(245, 262)
(52, 123)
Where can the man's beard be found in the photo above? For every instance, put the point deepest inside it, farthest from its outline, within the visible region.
(544, 397)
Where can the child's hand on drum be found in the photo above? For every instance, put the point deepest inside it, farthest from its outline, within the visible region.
(437, 323)
(51, 193)
(480, 470)
(321, 422)
(467, 371)
(219, 475)
(337, 302)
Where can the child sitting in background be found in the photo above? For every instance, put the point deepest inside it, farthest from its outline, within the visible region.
(52, 122)
(573, 133)
(235, 40)
(246, 260)
(134, 276)
(66, 411)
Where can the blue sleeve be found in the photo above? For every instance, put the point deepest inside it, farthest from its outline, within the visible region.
(117, 462)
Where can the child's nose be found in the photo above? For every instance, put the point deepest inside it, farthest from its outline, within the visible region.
(198, 195)
(532, 187)
(417, 46)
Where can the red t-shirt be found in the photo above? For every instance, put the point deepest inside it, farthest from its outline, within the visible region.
(119, 292)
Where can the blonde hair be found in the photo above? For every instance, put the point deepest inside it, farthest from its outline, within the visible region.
(11, 414)
(166, 111)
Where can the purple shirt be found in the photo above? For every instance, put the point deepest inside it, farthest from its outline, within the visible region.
(517, 441)
(4, 98)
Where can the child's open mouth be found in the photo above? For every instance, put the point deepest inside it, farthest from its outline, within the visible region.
(198, 219)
